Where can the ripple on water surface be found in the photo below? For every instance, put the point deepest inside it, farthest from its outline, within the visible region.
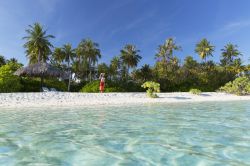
(206, 133)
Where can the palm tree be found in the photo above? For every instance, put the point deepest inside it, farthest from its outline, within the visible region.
(68, 55)
(12, 60)
(102, 68)
(2, 60)
(146, 72)
(204, 49)
(165, 51)
(57, 57)
(88, 54)
(229, 52)
(38, 46)
(130, 57)
(115, 65)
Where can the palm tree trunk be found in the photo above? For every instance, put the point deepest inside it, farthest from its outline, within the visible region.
(39, 56)
(127, 72)
(90, 74)
(41, 84)
(69, 77)
(90, 71)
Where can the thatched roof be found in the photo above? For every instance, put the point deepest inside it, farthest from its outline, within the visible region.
(40, 69)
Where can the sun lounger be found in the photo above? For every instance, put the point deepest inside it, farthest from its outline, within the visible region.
(53, 90)
(45, 89)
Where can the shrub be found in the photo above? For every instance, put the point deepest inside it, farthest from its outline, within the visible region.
(195, 91)
(114, 89)
(240, 86)
(111, 86)
(91, 87)
(152, 88)
(130, 86)
(55, 83)
(30, 84)
(76, 87)
(8, 81)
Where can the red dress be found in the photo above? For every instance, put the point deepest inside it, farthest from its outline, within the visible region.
(102, 84)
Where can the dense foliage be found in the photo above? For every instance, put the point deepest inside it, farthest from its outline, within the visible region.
(8, 81)
(152, 88)
(111, 86)
(240, 86)
(92, 87)
(82, 68)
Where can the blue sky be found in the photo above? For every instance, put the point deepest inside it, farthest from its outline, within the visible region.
(113, 23)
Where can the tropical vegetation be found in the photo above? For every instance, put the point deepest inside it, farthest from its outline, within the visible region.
(240, 86)
(152, 88)
(195, 91)
(124, 73)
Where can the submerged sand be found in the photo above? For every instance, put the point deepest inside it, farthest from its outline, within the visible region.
(61, 99)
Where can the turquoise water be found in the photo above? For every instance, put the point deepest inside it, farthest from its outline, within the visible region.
(171, 134)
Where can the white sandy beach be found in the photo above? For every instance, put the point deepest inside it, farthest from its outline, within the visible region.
(17, 100)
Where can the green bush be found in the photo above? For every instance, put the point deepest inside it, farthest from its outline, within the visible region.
(240, 86)
(8, 81)
(152, 88)
(30, 84)
(55, 83)
(114, 89)
(130, 86)
(92, 87)
(76, 87)
(195, 91)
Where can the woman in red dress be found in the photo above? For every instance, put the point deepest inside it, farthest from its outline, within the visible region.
(102, 82)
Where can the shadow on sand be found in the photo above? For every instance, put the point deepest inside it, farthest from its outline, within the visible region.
(205, 95)
(176, 97)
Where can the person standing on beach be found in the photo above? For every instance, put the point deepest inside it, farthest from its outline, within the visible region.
(102, 82)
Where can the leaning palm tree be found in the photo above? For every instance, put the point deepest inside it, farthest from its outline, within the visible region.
(165, 51)
(229, 52)
(130, 57)
(88, 54)
(38, 46)
(68, 55)
(204, 49)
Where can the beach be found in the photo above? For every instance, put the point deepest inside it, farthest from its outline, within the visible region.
(64, 99)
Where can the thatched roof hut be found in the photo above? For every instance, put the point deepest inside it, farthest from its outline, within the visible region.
(41, 70)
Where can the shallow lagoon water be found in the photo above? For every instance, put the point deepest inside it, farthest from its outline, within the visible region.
(208, 133)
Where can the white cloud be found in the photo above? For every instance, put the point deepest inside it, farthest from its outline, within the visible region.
(237, 25)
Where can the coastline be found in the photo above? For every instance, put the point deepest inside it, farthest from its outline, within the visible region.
(65, 99)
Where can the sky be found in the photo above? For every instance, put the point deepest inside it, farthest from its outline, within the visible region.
(114, 23)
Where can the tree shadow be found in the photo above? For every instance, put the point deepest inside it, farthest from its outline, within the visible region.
(205, 95)
(180, 98)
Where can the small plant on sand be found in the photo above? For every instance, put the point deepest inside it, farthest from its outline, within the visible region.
(152, 88)
(195, 91)
(240, 86)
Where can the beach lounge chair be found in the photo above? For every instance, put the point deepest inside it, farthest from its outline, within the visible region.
(53, 90)
(45, 89)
